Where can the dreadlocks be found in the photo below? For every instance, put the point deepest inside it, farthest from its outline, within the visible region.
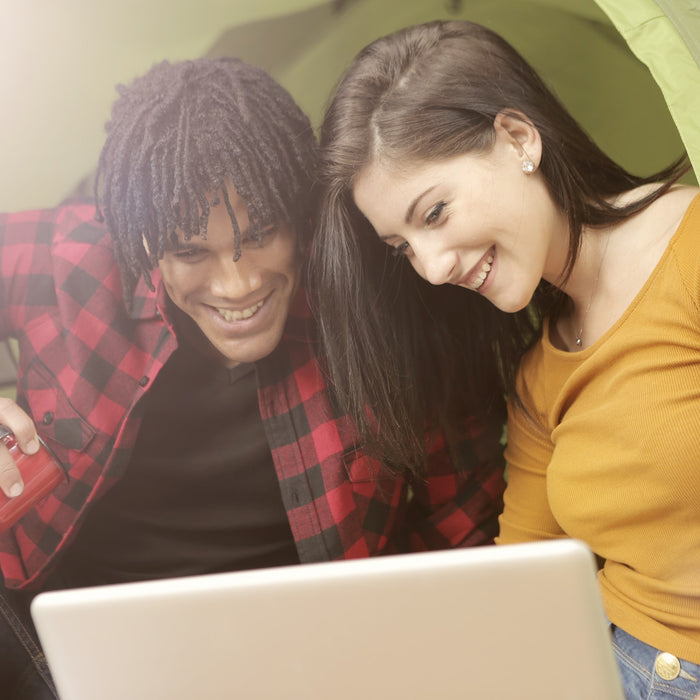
(177, 134)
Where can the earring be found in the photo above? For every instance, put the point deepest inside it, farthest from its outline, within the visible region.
(528, 166)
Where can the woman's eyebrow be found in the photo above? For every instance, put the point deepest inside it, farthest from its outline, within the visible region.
(412, 206)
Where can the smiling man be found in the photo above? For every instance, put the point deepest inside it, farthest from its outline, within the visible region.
(233, 311)
(169, 359)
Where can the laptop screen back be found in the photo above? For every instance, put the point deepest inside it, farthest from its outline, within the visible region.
(504, 622)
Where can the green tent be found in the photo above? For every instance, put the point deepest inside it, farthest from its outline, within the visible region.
(628, 69)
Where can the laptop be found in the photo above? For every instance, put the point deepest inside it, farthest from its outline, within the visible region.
(511, 622)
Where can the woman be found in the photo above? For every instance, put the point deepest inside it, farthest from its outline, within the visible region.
(444, 146)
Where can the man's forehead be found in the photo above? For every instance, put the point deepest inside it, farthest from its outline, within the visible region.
(181, 239)
(178, 239)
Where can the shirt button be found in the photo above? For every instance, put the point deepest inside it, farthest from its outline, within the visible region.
(144, 380)
(47, 418)
(667, 666)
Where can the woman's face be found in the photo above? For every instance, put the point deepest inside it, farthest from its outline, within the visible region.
(476, 221)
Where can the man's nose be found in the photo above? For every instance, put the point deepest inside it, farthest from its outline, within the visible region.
(234, 279)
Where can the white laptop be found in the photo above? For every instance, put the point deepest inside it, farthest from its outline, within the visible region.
(515, 622)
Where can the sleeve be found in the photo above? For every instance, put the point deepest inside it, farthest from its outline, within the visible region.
(25, 266)
(526, 513)
(458, 502)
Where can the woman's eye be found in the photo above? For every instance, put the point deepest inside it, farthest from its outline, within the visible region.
(435, 213)
(400, 249)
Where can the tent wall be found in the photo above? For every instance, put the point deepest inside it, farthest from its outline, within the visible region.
(60, 63)
(573, 44)
(665, 36)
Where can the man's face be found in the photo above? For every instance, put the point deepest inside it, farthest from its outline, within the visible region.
(239, 307)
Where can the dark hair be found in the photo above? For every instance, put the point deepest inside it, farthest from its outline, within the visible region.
(411, 351)
(175, 137)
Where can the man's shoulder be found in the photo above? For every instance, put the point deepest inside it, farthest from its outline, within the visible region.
(82, 252)
(75, 222)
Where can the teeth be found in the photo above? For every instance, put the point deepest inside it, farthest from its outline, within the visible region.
(230, 315)
(483, 273)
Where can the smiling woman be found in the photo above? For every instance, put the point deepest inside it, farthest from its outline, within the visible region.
(464, 220)
(545, 271)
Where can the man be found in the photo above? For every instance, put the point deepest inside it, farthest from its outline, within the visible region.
(169, 360)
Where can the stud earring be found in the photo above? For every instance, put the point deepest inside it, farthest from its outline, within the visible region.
(528, 166)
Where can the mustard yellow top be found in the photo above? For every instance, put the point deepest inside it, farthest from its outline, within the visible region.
(611, 455)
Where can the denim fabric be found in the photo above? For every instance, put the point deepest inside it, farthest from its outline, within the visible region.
(24, 674)
(640, 680)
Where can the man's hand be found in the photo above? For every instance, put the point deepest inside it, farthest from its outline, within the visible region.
(14, 418)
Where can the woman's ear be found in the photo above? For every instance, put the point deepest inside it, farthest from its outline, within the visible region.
(520, 132)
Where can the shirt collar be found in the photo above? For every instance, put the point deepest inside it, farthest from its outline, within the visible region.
(146, 303)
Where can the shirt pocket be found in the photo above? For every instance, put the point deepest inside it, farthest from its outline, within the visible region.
(57, 420)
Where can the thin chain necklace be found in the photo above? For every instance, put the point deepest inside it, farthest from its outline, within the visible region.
(579, 335)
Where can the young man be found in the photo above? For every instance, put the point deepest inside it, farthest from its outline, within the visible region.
(169, 359)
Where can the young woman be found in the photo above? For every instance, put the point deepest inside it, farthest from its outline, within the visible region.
(549, 273)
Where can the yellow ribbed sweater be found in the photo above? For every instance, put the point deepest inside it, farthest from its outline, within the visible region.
(612, 456)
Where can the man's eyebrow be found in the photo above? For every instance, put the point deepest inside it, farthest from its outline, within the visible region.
(195, 241)
(412, 206)
(179, 244)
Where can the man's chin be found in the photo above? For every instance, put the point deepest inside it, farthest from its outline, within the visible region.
(247, 351)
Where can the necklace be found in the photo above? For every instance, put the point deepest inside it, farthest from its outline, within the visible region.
(579, 335)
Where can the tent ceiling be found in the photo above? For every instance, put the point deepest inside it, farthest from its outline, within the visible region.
(62, 60)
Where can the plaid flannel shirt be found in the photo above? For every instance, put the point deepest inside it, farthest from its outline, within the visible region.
(85, 361)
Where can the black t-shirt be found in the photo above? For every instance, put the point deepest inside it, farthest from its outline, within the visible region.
(200, 494)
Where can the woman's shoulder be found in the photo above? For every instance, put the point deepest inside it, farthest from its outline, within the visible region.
(677, 201)
(684, 244)
(673, 227)
(663, 217)
(675, 213)
(647, 234)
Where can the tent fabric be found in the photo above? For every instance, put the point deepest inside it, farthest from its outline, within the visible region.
(685, 16)
(665, 35)
(61, 61)
(573, 43)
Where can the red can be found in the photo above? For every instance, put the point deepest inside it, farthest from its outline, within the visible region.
(41, 473)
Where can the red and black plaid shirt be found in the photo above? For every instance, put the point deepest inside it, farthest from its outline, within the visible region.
(85, 361)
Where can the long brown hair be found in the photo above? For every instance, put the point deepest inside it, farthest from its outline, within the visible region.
(411, 352)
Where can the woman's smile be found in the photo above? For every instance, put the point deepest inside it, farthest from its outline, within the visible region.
(477, 276)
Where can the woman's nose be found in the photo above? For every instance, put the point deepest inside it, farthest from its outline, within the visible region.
(435, 265)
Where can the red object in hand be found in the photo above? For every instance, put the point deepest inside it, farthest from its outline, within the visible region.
(41, 473)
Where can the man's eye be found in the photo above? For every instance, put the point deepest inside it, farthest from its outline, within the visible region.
(261, 239)
(434, 214)
(253, 241)
(400, 249)
(186, 254)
